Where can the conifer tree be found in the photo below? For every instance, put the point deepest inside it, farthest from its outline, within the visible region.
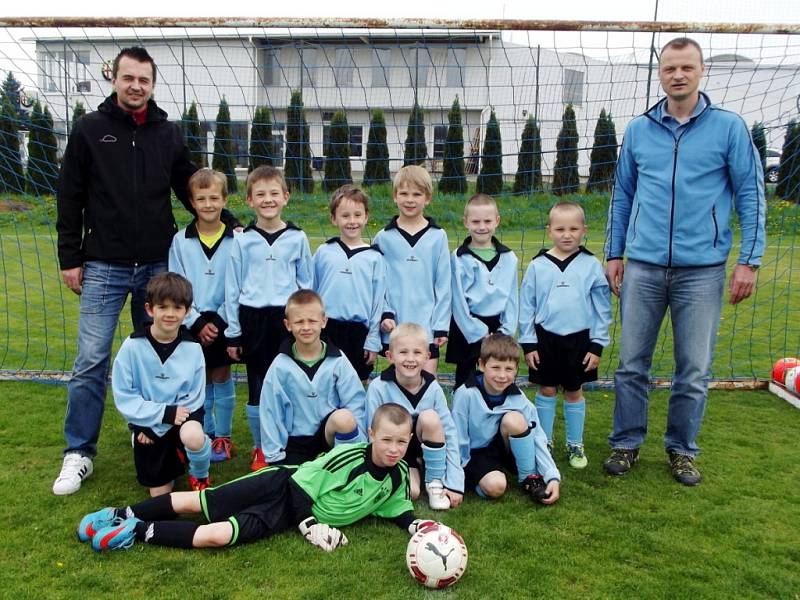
(376, 169)
(261, 147)
(224, 161)
(760, 142)
(77, 112)
(49, 152)
(490, 179)
(603, 158)
(337, 157)
(529, 164)
(565, 173)
(42, 166)
(11, 176)
(194, 136)
(789, 161)
(453, 180)
(11, 94)
(416, 149)
(297, 168)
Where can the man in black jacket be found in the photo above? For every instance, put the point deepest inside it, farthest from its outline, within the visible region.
(115, 225)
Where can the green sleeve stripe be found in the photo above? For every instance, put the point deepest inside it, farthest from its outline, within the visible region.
(345, 458)
(235, 535)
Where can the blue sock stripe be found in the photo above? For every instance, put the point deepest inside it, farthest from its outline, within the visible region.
(199, 459)
(254, 421)
(546, 407)
(574, 417)
(343, 438)
(224, 403)
(524, 451)
(435, 460)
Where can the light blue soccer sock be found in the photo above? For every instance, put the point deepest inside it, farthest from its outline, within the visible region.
(208, 415)
(523, 447)
(224, 403)
(345, 438)
(199, 459)
(480, 492)
(254, 421)
(546, 407)
(435, 458)
(574, 416)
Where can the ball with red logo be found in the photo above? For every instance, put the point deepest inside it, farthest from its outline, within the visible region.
(780, 368)
(436, 556)
(792, 380)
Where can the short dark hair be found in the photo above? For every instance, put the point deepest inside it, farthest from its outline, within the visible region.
(680, 43)
(303, 297)
(500, 346)
(266, 173)
(169, 286)
(136, 53)
(349, 192)
(394, 413)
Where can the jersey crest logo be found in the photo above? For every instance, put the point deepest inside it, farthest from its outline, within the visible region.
(313, 395)
(162, 376)
(209, 272)
(346, 271)
(270, 257)
(412, 258)
(562, 284)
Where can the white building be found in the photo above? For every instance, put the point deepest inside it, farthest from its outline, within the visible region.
(361, 70)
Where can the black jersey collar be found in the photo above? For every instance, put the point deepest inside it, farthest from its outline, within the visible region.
(163, 350)
(351, 252)
(472, 382)
(390, 374)
(562, 264)
(412, 239)
(191, 232)
(490, 264)
(310, 371)
(271, 237)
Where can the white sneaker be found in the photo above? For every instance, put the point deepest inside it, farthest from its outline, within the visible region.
(75, 469)
(437, 499)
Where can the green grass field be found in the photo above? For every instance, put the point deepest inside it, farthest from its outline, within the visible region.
(642, 536)
(38, 315)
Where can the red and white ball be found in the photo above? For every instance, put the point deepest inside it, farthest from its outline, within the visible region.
(436, 556)
(781, 367)
(792, 380)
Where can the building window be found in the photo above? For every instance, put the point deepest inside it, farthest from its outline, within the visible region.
(345, 67)
(268, 67)
(381, 62)
(573, 87)
(456, 57)
(308, 66)
(418, 62)
(83, 79)
(51, 69)
(356, 140)
(54, 70)
(439, 138)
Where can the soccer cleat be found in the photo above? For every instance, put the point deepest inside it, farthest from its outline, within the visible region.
(74, 470)
(115, 537)
(95, 521)
(577, 457)
(621, 460)
(437, 499)
(197, 484)
(258, 461)
(221, 449)
(535, 487)
(683, 469)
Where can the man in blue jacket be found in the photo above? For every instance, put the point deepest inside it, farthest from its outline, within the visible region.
(115, 225)
(684, 165)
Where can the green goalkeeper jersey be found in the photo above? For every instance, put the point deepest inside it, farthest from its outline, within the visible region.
(345, 486)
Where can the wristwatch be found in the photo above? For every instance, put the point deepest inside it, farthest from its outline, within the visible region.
(753, 268)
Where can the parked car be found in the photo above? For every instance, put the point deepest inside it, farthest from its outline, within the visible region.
(771, 169)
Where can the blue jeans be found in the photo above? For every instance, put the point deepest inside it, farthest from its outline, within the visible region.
(694, 298)
(105, 288)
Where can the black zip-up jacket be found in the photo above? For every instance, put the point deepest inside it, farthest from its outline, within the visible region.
(114, 191)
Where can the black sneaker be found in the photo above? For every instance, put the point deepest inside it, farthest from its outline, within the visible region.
(683, 469)
(535, 487)
(621, 461)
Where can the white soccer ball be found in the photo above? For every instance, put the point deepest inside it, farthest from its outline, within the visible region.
(792, 380)
(436, 556)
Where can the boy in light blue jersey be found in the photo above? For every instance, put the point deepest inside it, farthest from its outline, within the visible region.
(200, 252)
(312, 398)
(417, 263)
(158, 382)
(565, 312)
(434, 447)
(498, 428)
(485, 287)
(269, 261)
(350, 276)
